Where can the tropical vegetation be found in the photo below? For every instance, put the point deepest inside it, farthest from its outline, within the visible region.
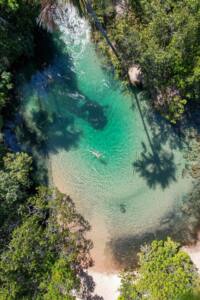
(17, 34)
(162, 39)
(44, 253)
(47, 252)
(165, 273)
(43, 250)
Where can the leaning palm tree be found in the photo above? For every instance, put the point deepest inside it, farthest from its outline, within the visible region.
(50, 8)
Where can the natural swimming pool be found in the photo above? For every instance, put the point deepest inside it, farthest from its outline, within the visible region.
(80, 111)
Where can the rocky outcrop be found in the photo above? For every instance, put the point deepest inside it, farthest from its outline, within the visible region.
(120, 7)
(135, 75)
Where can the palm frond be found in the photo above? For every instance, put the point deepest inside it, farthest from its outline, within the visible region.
(51, 9)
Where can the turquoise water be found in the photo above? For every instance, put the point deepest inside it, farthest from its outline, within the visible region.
(75, 106)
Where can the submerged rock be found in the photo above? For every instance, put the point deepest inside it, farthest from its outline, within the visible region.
(122, 208)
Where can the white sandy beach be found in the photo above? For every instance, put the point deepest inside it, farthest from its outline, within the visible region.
(107, 285)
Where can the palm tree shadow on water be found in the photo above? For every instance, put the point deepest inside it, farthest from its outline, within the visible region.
(157, 166)
(158, 169)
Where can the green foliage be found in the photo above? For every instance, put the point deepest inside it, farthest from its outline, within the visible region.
(5, 87)
(165, 273)
(47, 251)
(14, 178)
(17, 24)
(15, 182)
(175, 109)
(162, 37)
(18, 165)
(61, 276)
(11, 4)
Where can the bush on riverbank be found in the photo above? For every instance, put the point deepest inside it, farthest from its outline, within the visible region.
(165, 273)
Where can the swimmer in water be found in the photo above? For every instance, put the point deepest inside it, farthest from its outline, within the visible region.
(95, 153)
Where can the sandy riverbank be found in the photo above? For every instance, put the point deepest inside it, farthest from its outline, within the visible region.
(107, 284)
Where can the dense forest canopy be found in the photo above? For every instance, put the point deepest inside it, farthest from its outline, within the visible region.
(47, 251)
(17, 26)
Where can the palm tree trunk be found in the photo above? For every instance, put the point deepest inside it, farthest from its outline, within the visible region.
(92, 13)
(45, 19)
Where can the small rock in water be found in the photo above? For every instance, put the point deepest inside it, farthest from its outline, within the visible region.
(123, 208)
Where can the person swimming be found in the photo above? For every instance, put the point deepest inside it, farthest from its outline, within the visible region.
(96, 153)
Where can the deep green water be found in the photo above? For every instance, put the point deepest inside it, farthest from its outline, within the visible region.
(76, 106)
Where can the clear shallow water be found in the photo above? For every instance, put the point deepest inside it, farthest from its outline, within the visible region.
(75, 106)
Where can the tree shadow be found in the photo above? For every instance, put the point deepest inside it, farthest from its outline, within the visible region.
(58, 102)
(192, 120)
(40, 131)
(157, 167)
(61, 82)
(181, 224)
(159, 131)
(125, 249)
(88, 110)
(88, 287)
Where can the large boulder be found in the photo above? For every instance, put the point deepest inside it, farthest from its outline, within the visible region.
(121, 7)
(135, 75)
